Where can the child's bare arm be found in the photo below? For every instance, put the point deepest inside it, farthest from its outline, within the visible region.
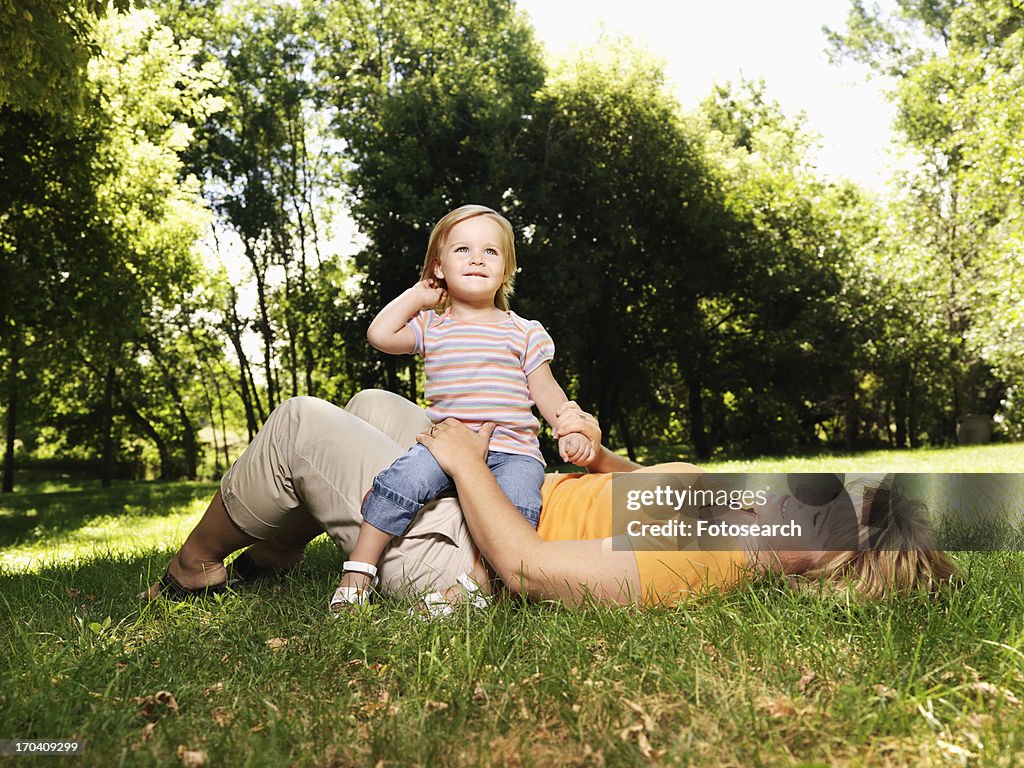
(550, 398)
(388, 332)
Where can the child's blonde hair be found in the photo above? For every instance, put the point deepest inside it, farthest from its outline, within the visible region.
(439, 235)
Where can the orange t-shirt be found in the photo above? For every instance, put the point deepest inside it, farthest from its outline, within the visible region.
(578, 507)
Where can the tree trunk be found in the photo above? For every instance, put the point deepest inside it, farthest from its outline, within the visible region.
(151, 432)
(188, 430)
(213, 422)
(900, 409)
(264, 325)
(698, 434)
(107, 429)
(901, 406)
(12, 413)
(291, 332)
(223, 422)
(411, 367)
(234, 331)
(915, 440)
(213, 435)
(627, 437)
(391, 374)
(852, 417)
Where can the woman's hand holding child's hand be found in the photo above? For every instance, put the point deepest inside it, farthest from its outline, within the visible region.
(573, 421)
(430, 293)
(574, 448)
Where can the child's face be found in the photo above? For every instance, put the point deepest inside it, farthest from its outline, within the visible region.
(472, 260)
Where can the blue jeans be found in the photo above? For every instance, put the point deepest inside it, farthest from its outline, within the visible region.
(416, 478)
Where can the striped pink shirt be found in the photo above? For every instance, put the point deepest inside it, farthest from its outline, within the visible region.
(476, 372)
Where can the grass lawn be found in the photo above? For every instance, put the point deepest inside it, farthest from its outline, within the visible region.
(761, 675)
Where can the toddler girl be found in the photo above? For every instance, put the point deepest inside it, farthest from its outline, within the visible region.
(482, 363)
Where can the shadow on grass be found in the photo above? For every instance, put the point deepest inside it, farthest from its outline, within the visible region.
(109, 583)
(43, 514)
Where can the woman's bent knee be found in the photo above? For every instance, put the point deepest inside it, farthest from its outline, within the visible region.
(302, 405)
(392, 414)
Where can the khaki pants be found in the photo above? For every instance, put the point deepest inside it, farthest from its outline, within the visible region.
(311, 455)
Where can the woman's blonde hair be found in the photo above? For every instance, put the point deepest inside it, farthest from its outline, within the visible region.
(897, 552)
(439, 236)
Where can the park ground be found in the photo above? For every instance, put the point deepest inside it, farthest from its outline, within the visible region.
(762, 675)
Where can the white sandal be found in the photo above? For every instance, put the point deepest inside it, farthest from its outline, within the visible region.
(436, 605)
(354, 595)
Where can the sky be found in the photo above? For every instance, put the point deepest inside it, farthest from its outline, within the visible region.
(708, 41)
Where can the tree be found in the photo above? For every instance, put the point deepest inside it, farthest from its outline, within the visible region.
(99, 222)
(621, 240)
(44, 48)
(430, 101)
(955, 70)
(47, 206)
(265, 164)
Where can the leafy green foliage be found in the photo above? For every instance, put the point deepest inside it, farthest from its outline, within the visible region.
(430, 106)
(704, 286)
(45, 46)
(956, 68)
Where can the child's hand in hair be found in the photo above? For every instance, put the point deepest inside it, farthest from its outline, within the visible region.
(576, 449)
(430, 292)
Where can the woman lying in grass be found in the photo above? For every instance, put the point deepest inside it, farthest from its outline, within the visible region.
(309, 466)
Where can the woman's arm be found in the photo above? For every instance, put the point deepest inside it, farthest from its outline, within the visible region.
(609, 461)
(388, 332)
(571, 571)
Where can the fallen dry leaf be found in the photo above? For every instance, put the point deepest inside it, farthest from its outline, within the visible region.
(148, 704)
(191, 758)
(778, 707)
(643, 744)
(885, 692)
(276, 643)
(972, 736)
(995, 690)
(223, 717)
(147, 732)
(636, 733)
(954, 752)
(435, 706)
(596, 755)
(806, 679)
(980, 720)
(645, 719)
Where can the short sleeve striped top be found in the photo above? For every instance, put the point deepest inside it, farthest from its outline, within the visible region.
(476, 372)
